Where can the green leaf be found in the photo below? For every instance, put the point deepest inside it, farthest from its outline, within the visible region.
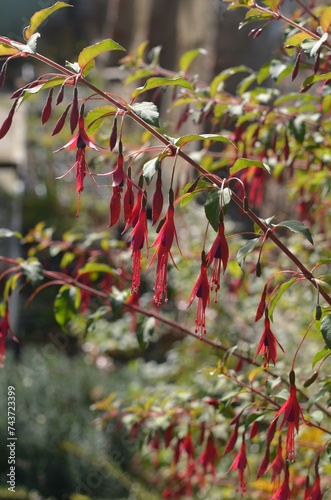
(245, 250)
(185, 139)
(94, 317)
(282, 288)
(188, 196)
(94, 118)
(296, 226)
(242, 163)
(296, 40)
(297, 128)
(7, 50)
(217, 83)
(66, 304)
(73, 66)
(321, 355)
(318, 44)
(150, 168)
(272, 4)
(39, 17)
(326, 330)
(33, 271)
(215, 199)
(144, 331)
(156, 82)
(148, 112)
(90, 53)
(7, 233)
(325, 19)
(186, 60)
(316, 78)
(95, 267)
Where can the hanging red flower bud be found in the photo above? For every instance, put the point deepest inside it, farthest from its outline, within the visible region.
(74, 115)
(47, 109)
(113, 135)
(115, 206)
(60, 95)
(8, 121)
(157, 201)
(3, 73)
(61, 121)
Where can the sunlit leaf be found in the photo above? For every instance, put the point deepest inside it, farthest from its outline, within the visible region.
(242, 163)
(95, 117)
(150, 168)
(325, 19)
(202, 137)
(157, 82)
(215, 199)
(245, 250)
(39, 17)
(321, 355)
(33, 271)
(8, 233)
(66, 304)
(281, 289)
(7, 50)
(91, 52)
(296, 226)
(217, 83)
(148, 112)
(186, 60)
(95, 267)
(296, 40)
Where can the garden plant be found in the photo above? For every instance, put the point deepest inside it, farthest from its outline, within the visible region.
(239, 403)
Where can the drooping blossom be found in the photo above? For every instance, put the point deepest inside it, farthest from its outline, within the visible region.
(80, 140)
(5, 329)
(278, 464)
(292, 414)
(254, 181)
(240, 464)
(139, 237)
(264, 464)
(201, 290)
(163, 244)
(157, 201)
(209, 456)
(268, 343)
(316, 493)
(218, 257)
(232, 439)
(283, 492)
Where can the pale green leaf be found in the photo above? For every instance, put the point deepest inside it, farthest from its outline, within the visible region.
(39, 17)
(281, 289)
(202, 137)
(186, 60)
(90, 53)
(156, 82)
(245, 250)
(148, 112)
(150, 168)
(242, 163)
(321, 355)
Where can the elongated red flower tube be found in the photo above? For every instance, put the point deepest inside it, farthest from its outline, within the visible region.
(218, 257)
(163, 244)
(201, 290)
(268, 343)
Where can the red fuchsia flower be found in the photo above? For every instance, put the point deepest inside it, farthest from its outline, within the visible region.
(232, 439)
(209, 456)
(218, 255)
(277, 465)
(292, 413)
(264, 464)
(240, 464)
(80, 140)
(268, 344)
(254, 180)
(283, 492)
(5, 328)
(316, 493)
(201, 290)
(163, 244)
(139, 237)
(157, 201)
